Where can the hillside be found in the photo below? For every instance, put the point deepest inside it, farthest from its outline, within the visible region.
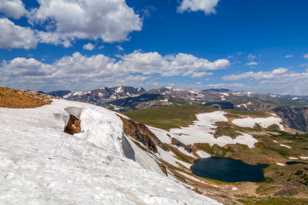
(124, 158)
(191, 132)
(12, 98)
(40, 164)
(290, 108)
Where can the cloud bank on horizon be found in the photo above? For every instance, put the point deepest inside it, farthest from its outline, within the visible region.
(85, 28)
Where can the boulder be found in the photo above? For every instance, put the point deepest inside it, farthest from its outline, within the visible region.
(73, 125)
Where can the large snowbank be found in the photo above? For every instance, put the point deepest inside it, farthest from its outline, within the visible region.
(40, 164)
(202, 131)
(263, 122)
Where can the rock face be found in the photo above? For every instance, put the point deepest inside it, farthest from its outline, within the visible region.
(11, 98)
(73, 125)
(295, 117)
(140, 133)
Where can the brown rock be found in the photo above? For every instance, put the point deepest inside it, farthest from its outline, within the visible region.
(73, 125)
(141, 133)
(12, 98)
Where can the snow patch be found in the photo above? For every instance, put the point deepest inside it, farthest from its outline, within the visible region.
(162, 135)
(202, 131)
(281, 164)
(203, 154)
(286, 146)
(263, 122)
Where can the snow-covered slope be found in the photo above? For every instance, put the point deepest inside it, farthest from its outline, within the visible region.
(40, 164)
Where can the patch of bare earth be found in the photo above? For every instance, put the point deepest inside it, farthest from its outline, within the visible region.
(12, 98)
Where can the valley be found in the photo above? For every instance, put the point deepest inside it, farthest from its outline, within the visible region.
(283, 150)
(152, 102)
(171, 134)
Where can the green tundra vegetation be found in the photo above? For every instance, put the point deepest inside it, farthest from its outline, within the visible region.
(289, 181)
(167, 117)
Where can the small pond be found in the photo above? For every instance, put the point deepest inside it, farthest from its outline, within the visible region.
(228, 170)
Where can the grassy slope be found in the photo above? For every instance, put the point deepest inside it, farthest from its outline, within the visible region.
(283, 180)
(167, 117)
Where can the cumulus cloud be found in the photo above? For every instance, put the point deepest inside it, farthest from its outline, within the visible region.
(252, 60)
(60, 22)
(14, 36)
(109, 21)
(207, 6)
(252, 63)
(88, 46)
(279, 80)
(52, 38)
(12, 8)
(170, 65)
(258, 75)
(78, 71)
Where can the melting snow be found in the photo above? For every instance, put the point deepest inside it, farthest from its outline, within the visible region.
(280, 164)
(263, 122)
(162, 135)
(202, 130)
(203, 154)
(286, 146)
(40, 164)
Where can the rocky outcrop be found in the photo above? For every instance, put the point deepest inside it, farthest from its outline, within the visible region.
(73, 125)
(141, 133)
(294, 117)
(177, 143)
(12, 98)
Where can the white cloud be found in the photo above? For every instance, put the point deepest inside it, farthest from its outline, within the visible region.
(170, 65)
(52, 38)
(109, 21)
(81, 72)
(280, 71)
(120, 48)
(279, 80)
(63, 21)
(252, 60)
(207, 6)
(306, 56)
(252, 63)
(88, 46)
(12, 8)
(200, 74)
(14, 36)
(258, 75)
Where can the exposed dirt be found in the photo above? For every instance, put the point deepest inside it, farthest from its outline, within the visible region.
(11, 98)
(141, 133)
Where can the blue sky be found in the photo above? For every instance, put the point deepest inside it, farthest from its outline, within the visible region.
(258, 45)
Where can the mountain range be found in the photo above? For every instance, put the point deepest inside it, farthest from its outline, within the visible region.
(293, 109)
(147, 150)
